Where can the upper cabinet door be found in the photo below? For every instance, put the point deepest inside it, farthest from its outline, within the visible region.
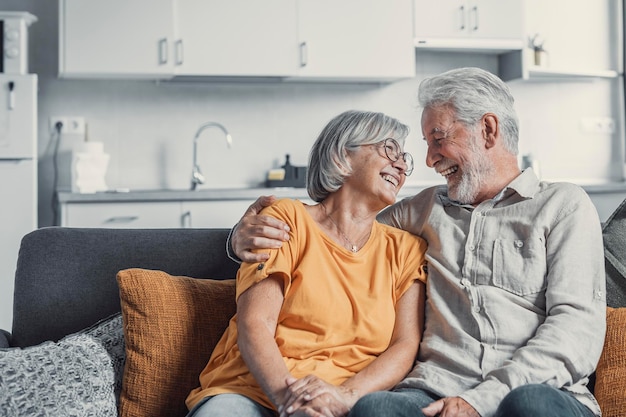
(355, 39)
(103, 39)
(495, 19)
(445, 19)
(344, 40)
(469, 24)
(236, 38)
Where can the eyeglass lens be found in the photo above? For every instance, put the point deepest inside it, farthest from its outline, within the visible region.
(392, 151)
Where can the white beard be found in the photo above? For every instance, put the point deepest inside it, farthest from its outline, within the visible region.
(475, 172)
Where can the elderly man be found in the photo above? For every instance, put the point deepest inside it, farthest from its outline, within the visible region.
(515, 314)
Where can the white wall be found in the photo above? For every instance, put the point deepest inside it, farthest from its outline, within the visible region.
(148, 127)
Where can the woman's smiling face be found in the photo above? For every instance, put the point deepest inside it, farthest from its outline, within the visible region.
(373, 172)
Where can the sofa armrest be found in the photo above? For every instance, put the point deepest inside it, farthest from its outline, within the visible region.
(5, 337)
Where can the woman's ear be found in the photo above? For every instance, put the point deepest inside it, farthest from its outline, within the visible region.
(490, 129)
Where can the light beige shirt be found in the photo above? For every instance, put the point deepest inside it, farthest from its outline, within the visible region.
(515, 294)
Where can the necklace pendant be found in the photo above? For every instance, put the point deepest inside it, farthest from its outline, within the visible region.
(355, 249)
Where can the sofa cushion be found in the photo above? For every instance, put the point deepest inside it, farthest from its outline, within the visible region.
(76, 376)
(610, 388)
(614, 235)
(171, 325)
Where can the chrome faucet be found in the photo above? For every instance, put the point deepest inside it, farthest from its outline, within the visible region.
(196, 174)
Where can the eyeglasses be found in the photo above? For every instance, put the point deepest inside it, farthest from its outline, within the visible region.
(393, 152)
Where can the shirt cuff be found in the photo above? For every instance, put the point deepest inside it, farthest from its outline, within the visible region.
(486, 397)
(229, 250)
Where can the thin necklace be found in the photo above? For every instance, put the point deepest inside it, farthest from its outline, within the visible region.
(353, 247)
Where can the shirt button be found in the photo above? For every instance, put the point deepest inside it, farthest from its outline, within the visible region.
(472, 248)
(519, 243)
(476, 309)
(465, 282)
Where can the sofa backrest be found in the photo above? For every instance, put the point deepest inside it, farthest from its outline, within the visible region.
(65, 277)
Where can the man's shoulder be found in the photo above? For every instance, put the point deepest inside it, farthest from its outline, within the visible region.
(410, 213)
(562, 190)
(564, 199)
(425, 197)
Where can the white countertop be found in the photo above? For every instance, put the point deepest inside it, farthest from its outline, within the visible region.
(252, 193)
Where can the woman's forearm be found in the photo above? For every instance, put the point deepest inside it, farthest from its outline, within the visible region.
(257, 315)
(259, 351)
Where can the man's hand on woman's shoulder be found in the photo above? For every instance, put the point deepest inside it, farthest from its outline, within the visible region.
(256, 231)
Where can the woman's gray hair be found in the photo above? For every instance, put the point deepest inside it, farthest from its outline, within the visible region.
(328, 163)
(472, 92)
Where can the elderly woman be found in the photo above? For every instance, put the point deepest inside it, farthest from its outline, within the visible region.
(331, 315)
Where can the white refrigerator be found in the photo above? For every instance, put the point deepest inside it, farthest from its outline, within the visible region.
(18, 178)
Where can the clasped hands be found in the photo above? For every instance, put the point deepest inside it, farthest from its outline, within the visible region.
(313, 397)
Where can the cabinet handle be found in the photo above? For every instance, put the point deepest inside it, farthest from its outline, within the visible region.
(462, 17)
(475, 13)
(304, 54)
(121, 219)
(163, 51)
(185, 220)
(179, 52)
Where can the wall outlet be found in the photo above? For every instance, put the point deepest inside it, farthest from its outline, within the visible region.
(72, 125)
(597, 125)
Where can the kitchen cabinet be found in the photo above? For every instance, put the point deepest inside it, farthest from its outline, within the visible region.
(295, 40)
(134, 215)
(203, 214)
(583, 46)
(355, 39)
(116, 38)
(205, 208)
(236, 38)
(471, 25)
(216, 213)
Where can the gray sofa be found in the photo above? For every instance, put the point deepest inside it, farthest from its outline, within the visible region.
(66, 278)
(67, 308)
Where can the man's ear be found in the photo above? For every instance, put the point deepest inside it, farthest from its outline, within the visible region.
(490, 129)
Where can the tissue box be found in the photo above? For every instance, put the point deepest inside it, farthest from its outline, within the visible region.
(89, 167)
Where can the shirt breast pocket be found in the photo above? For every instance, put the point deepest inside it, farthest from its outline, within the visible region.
(519, 266)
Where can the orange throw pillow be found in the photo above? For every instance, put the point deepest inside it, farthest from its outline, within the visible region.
(171, 325)
(610, 388)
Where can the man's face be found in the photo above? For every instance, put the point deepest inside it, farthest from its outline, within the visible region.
(456, 152)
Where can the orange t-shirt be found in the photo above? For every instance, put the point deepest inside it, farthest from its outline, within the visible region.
(338, 313)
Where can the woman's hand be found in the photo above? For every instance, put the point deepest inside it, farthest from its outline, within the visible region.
(315, 397)
(256, 231)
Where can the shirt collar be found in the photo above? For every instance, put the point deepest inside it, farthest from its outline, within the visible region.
(525, 184)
